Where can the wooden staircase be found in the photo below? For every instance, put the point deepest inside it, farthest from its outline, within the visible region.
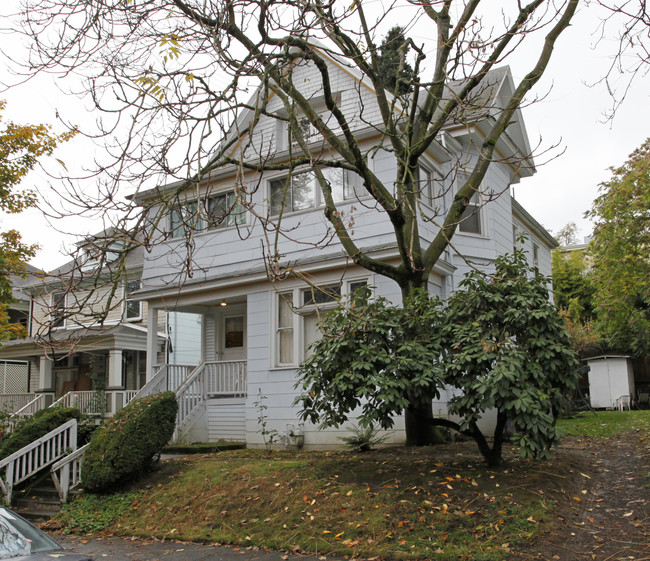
(38, 501)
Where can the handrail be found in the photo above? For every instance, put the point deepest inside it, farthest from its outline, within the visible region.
(36, 456)
(189, 396)
(158, 383)
(66, 473)
(32, 407)
(86, 401)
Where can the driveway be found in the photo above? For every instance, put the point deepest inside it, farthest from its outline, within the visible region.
(132, 549)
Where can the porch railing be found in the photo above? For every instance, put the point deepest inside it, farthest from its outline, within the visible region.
(212, 379)
(39, 402)
(89, 402)
(12, 402)
(32, 458)
(66, 473)
(177, 374)
(226, 378)
(168, 377)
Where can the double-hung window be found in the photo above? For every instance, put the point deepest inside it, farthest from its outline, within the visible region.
(536, 257)
(132, 308)
(471, 221)
(293, 193)
(184, 218)
(225, 210)
(57, 309)
(301, 191)
(431, 189)
(284, 329)
(297, 318)
(217, 211)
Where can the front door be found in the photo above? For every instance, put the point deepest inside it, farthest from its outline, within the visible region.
(231, 332)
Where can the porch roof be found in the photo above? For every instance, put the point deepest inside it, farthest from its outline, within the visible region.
(95, 338)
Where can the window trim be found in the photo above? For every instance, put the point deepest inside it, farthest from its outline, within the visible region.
(299, 313)
(316, 192)
(479, 205)
(58, 306)
(125, 313)
(428, 197)
(202, 215)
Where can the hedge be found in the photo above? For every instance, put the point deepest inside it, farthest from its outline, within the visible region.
(123, 449)
(38, 425)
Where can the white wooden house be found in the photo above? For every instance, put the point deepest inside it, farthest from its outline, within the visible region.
(254, 332)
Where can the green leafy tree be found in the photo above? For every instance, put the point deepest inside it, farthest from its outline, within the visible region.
(499, 340)
(377, 359)
(507, 349)
(573, 288)
(21, 147)
(392, 66)
(621, 254)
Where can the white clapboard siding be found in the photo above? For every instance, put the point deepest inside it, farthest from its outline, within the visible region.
(226, 419)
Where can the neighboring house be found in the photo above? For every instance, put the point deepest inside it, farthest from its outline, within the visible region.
(82, 328)
(256, 332)
(15, 374)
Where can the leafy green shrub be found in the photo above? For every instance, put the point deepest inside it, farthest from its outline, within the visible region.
(90, 513)
(363, 439)
(38, 425)
(122, 449)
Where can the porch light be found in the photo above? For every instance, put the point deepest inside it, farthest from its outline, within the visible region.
(223, 303)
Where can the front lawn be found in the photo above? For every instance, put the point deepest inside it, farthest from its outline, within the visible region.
(437, 503)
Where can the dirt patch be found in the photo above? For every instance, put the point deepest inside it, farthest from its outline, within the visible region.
(608, 519)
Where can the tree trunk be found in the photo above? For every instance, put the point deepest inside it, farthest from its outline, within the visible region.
(419, 430)
(417, 416)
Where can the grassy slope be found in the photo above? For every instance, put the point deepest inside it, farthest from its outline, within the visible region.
(437, 503)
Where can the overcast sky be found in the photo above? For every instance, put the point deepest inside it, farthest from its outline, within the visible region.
(571, 115)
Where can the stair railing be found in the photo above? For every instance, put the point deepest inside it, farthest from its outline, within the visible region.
(190, 396)
(36, 456)
(157, 384)
(66, 473)
(32, 407)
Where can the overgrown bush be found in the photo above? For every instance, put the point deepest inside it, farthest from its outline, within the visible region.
(38, 425)
(123, 449)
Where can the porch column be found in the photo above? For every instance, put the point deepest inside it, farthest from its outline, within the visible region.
(115, 370)
(46, 376)
(152, 341)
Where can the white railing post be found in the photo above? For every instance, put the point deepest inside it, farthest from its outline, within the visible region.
(66, 473)
(36, 456)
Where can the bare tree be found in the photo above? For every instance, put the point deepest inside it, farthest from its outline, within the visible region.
(171, 79)
(630, 21)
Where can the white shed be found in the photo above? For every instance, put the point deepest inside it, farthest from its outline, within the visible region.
(611, 382)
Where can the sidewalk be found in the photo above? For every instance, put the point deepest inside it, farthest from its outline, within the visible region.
(132, 549)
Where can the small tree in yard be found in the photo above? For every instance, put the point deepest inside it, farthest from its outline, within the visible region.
(499, 340)
(507, 349)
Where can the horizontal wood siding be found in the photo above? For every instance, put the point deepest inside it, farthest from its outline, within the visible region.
(226, 419)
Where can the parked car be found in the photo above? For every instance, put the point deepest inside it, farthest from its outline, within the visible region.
(22, 541)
